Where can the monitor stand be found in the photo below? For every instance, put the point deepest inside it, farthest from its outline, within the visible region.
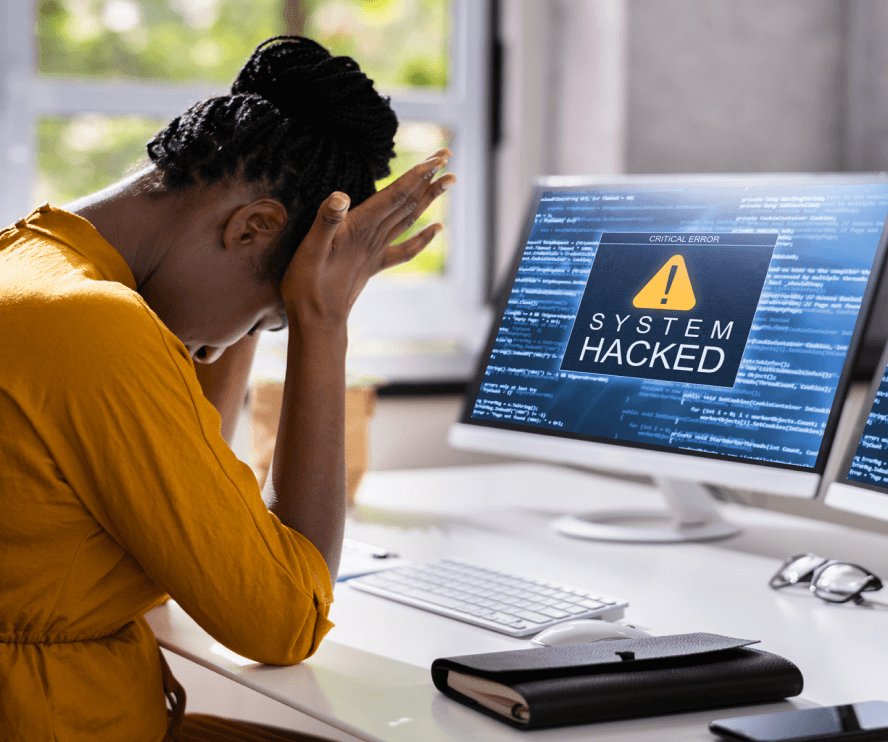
(690, 516)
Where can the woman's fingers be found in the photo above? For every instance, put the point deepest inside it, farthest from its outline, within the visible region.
(402, 197)
(374, 225)
(435, 189)
(409, 249)
(331, 214)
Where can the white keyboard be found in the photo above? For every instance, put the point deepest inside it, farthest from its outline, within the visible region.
(495, 600)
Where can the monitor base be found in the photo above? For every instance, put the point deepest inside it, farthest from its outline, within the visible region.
(690, 515)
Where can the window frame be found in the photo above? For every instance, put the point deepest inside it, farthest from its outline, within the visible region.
(401, 311)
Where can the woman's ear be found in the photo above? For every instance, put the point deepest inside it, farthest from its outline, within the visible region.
(255, 226)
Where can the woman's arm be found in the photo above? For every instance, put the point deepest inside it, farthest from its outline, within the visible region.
(306, 489)
(224, 382)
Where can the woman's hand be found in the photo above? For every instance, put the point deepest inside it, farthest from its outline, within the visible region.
(345, 248)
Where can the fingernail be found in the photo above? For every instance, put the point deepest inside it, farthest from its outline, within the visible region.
(338, 202)
(446, 184)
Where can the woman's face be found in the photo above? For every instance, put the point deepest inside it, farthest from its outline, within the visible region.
(218, 309)
(208, 288)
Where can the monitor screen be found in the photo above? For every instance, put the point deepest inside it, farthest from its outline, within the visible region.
(862, 483)
(708, 318)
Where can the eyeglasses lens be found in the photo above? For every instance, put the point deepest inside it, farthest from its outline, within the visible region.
(801, 568)
(841, 580)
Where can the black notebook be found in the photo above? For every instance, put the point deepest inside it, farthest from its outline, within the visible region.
(619, 679)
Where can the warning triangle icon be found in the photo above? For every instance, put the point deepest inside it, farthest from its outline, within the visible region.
(670, 288)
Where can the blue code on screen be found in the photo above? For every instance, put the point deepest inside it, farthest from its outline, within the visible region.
(702, 318)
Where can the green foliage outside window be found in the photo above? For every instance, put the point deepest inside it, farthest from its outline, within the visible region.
(400, 43)
(170, 40)
(86, 153)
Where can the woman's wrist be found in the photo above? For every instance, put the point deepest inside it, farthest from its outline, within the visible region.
(305, 328)
(326, 342)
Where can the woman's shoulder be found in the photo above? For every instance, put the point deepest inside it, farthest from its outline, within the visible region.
(108, 319)
(68, 315)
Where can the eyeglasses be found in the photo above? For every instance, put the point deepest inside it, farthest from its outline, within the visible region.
(831, 580)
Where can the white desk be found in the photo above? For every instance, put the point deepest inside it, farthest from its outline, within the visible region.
(371, 675)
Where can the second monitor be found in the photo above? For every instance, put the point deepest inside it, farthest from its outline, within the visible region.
(862, 482)
(698, 330)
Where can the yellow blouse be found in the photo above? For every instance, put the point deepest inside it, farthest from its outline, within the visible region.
(116, 490)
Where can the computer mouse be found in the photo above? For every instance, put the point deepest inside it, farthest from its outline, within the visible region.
(583, 631)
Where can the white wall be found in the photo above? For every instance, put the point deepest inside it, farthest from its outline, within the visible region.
(716, 86)
(564, 99)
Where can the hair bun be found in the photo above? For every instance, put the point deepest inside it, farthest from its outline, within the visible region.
(305, 83)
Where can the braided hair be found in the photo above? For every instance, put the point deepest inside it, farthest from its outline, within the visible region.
(298, 122)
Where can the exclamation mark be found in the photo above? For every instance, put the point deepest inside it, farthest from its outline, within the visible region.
(672, 272)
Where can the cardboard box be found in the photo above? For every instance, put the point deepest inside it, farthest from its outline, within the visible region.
(265, 401)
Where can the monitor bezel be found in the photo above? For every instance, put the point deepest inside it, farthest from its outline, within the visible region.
(780, 478)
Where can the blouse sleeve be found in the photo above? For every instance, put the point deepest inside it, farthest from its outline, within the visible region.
(142, 448)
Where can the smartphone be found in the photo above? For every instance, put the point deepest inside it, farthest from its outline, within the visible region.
(855, 721)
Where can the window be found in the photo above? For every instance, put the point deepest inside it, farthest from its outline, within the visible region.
(81, 95)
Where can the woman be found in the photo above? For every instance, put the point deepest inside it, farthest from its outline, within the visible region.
(117, 486)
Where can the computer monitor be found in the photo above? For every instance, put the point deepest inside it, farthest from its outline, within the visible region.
(697, 329)
(862, 482)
